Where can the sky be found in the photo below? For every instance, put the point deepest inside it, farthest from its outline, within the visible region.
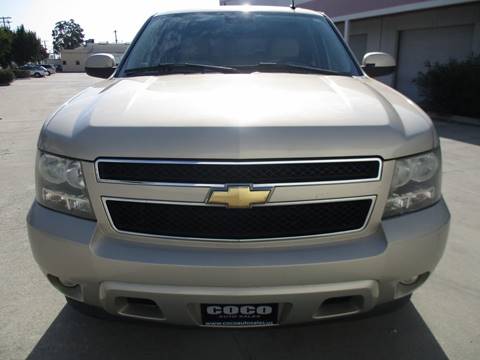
(98, 18)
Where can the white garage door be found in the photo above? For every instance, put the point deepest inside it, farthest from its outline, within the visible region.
(416, 47)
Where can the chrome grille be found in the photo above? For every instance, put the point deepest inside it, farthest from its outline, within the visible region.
(216, 173)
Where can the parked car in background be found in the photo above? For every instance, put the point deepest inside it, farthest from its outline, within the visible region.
(35, 70)
(41, 67)
(50, 68)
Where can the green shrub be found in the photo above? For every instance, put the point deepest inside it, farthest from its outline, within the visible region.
(6, 77)
(21, 74)
(452, 88)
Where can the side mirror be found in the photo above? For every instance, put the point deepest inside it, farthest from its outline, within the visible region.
(378, 64)
(100, 65)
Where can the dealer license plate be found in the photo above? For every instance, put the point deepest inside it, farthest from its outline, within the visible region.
(239, 314)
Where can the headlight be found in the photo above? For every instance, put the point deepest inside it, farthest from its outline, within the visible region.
(416, 183)
(61, 186)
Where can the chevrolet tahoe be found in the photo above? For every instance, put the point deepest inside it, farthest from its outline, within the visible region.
(238, 167)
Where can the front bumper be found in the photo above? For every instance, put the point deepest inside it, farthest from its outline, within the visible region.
(108, 271)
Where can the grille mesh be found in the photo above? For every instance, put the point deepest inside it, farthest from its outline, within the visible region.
(223, 223)
(237, 173)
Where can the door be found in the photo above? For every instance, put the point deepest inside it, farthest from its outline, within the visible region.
(416, 47)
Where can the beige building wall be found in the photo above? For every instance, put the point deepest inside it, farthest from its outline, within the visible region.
(447, 32)
(383, 32)
(74, 60)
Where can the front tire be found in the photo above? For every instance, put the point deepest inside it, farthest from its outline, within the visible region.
(37, 75)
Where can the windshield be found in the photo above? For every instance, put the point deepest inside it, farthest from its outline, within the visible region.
(240, 40)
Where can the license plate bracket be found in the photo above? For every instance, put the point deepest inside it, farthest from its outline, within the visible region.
(239, 315)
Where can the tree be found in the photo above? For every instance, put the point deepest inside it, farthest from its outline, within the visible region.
(451, 87)
(26, 46)
(43, 54)
(5, 47)
(67, 35)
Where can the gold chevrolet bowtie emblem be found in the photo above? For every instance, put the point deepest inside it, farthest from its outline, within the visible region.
(238, 197)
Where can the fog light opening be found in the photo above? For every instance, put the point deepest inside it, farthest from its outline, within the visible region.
(407, 286)
(410, 281)
(68, 284)
(67, 288)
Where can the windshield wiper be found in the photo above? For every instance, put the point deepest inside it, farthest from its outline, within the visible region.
(191, 68)
(286, 67)
(178, 68)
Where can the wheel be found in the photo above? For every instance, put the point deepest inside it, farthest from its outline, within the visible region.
(89, 310)
(37, 75)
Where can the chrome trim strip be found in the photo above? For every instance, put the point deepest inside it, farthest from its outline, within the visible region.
(238, 163)
(367, 219)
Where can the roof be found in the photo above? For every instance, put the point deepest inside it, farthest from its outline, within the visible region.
(341, 10)
(243, 8)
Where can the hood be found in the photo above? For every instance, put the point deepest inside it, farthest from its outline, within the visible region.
(238, 116)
